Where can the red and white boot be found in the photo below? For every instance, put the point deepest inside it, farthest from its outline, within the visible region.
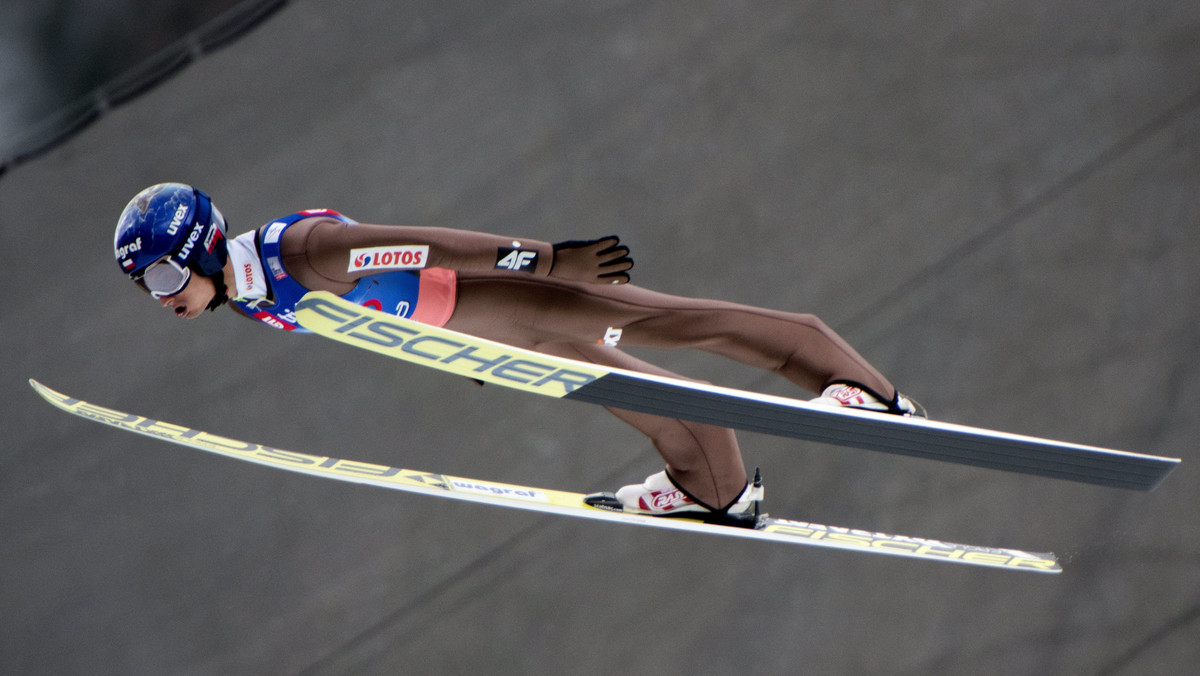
(659, 495)
(853, 395)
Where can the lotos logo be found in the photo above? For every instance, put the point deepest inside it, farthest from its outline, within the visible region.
(248, 276)
(135, 245)
(411, 257)
(178, 220)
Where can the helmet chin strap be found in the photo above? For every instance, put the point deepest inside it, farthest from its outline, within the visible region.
(221, 296)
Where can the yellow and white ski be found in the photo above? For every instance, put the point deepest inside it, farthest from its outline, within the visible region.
(543, 500)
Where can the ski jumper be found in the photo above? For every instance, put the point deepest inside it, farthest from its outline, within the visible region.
(508, 290)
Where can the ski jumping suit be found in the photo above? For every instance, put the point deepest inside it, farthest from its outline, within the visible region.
(505, 289)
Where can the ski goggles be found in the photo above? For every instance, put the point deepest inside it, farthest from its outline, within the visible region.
(164, 277)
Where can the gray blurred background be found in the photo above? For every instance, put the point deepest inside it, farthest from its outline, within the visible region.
(995, 202)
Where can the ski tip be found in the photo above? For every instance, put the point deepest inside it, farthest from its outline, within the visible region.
(48, 394)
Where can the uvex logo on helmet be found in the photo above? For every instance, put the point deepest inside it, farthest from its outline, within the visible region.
(210, 240)
(193, 237)
(180, 213)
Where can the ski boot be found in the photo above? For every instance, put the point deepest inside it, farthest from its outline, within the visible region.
(659, 495)
(854, 395)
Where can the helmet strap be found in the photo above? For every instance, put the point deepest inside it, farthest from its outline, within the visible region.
(222, 291)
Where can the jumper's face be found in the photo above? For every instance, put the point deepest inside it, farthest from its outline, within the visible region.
(192, 299)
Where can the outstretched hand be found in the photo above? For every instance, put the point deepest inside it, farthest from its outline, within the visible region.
(599, 261)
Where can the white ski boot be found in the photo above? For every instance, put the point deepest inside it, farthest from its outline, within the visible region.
(859, 397)
(658, 495)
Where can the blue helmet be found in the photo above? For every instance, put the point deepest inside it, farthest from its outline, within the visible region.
(172, 222)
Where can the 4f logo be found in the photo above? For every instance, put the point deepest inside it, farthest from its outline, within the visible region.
(516, 259)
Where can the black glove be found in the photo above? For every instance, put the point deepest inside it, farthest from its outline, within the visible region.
(599, 261)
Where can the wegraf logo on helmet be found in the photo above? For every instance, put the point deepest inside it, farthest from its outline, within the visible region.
(124, 251)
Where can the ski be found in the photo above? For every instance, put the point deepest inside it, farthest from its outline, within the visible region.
(328, 315)
(543, 500)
